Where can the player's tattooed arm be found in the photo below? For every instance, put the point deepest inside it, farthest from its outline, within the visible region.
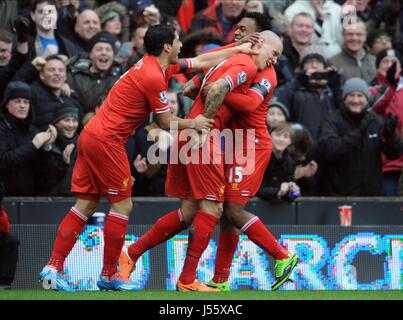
(215, 97)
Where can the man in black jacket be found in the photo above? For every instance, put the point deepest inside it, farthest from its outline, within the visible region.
(313, 94)
(20, 142)
(351, 141)
(92, 76)
(55, 168)
(48, 92)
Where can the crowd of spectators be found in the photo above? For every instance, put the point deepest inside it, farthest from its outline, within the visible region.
(336, 117)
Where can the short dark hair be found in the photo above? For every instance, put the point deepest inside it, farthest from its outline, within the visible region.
(156, 36)
(6, 36)
(302, 140)
(34, 3)
(262, 20)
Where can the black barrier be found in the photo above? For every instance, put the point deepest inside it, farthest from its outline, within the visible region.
(305, 211)
(365, 211)
(332, 258)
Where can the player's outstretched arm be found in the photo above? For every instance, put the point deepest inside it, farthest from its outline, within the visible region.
(243, 102)
(210, 59)
(215, 97)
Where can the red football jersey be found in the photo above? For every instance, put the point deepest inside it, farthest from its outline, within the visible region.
(238, 71)
(138, 92)
(261, 90)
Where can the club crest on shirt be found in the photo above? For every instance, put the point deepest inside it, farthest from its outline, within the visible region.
(241, 77)
(265, 83)
(163, 97)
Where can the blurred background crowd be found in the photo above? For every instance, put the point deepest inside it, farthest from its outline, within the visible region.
(335, 119)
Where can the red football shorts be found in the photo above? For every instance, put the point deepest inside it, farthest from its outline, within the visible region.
(187, 180)
(101, 169)
(240, 187)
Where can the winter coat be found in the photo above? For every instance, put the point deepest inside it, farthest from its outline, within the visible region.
(122, 11)
(54, 175)
(389, 100)
(307, 106)
(278, 171)
(90, 87)
(329, 34)
(208, 19)
(7, 72)
(351, 160)
(346, 61)
(17, 154)
(46, 103)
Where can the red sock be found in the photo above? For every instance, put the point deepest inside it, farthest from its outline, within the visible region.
(69, 230)
(258, 233)
(114, 237)
(199, 238)
(227, 245)
(164, 229)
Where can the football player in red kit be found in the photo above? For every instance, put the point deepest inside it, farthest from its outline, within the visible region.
(243, 182)
(102, 168)
(203, 183)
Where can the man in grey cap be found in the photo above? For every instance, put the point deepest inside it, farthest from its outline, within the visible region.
(351, 141)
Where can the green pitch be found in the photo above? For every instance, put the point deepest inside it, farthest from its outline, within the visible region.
(173, 295)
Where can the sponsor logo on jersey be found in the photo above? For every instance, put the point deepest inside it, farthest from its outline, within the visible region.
(266, 83)
(222, 189)
(125, 184)
(241, 77)
(163, 97)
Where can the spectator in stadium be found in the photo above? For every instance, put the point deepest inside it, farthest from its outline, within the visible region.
(93, 75)
(351, 141)
(11, 61)
(354, 60)
(20, 141)
(387, 90)
(278, 181)
(378, 15)
(298, 38)
(222, 18)
(132, 51)
(304, 152)
(55, 168)
(47, 40)
(313, 94)
(8, 248)
(87, 25)
(115, 19)
(48, 92)
(378, 41)
(277, 113)
(145, 12)
(68, 11)
(328, 27)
